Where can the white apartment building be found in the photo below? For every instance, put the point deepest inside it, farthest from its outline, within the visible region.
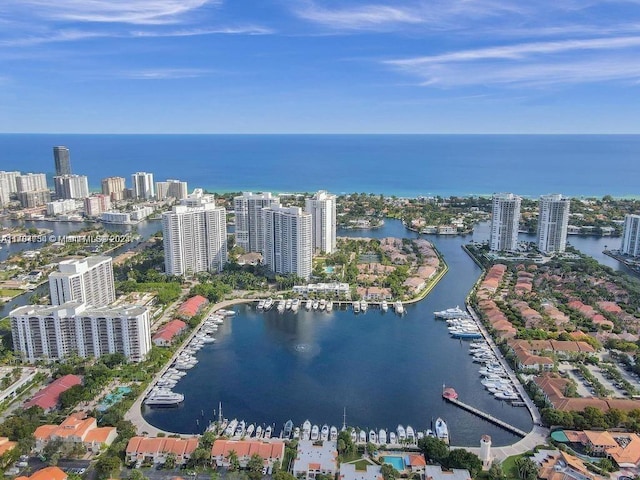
(631, 236)
(4, 192)
(97, 204)
(143, 188)
(313, 460)
(53, 332)
(322, 207)
(553, 220)
(31, 182)
(288, 244)
(89, 280)
(171, 189)
(71, 186)
(249, 220)
(118, 218)
(11, 180)
(114, 187)
(195, 236)
(60, 207)
(505, 219)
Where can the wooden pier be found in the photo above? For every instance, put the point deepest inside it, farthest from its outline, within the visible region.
(486, 416)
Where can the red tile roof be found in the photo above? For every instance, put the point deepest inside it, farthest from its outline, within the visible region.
(169, 330)
(192, 306)
(266, 450)
(49, 396)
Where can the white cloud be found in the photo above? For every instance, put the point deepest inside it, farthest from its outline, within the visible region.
(362, 17)
(529, 64)
(163, 74)
(108, 11)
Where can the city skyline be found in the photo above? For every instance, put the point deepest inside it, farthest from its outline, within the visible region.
(319, 66)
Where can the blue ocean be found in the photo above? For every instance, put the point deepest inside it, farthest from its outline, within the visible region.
(402, 165)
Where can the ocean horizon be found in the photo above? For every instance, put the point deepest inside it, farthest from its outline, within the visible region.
(405, 165)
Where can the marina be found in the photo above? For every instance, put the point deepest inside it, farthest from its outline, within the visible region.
(320, 363)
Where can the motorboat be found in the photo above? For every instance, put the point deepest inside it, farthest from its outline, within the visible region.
(329, 306)
(231, 427)
(306, 430)
(315, 433)
(382, 436)
(308, 304)
(267, 432)
(362, 437)
(442, 431)
(323, 304)
(315, 304)
(258, 431)
(411, 437)
(288, 304)
(296, 433)
(281, 306)
(324, 433)
(356, 307)
(333, 433)
(250, 429)
(402, 434)
(163, 397)
(260, 305)
(288, 428)
(354, 436)
(456, 312)
(363, 305)
(268, 303)
(295, 305)
(384, 306)
(398, 307)
(373, 437)
(393, 440)
(240, 429)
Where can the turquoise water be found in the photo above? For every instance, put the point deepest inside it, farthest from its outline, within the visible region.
(395, 462)
(112, 398)
(328, 269)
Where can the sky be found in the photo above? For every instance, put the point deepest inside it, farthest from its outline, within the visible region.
(319, 66)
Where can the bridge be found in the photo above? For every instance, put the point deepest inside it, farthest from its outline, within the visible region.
(490, 418)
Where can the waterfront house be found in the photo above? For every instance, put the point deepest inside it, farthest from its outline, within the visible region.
(271, 453)
(416, 463)
(561, 465)
(154, 451)
(313, 459)
(192, 306)
(77, 428)
(165, 335)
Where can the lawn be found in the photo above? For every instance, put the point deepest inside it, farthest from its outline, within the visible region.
(509, 466)
(10, 292)
(362, 464)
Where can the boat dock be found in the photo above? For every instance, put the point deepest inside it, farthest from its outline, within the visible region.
(486, 416)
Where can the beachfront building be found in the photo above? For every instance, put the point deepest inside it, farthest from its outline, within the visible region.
(10, 177)
(322, 207)
(114, 187)
(195, 236)
(171, 189)
(631, 236)
(71, 186)
(553, 220)
(50, 333)
(313, 460)
(88, 280)
(287, 240)
(249, 219)
(143, 188)
(31, 182)
(62, 160)
(505, 219)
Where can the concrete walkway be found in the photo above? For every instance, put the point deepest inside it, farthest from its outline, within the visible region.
(134, 415)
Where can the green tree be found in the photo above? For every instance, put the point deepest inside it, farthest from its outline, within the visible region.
(460, 458)
(170, 461)
(137, 475)
(282, 475)
(254, 467)
(106, 465)
(495, 472)
(526, 468)
(207, 439)
(434, 449)
(234, 462)
(388, 472)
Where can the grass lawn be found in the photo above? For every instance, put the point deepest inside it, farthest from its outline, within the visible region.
(362, 464)
(509, 466)
(10, 292)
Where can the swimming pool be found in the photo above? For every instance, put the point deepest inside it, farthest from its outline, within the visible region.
(395, 462)
(328, 269)
(112, 398)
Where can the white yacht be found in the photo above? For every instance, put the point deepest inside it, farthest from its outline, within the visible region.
(356, 307)
(442, 431)
(231, 427)
(363, 305)
(250, 429)
(354, 435)
(260, 304)
(295, 305)
(411, 437)
(308, 304)
(281, 306)
(398, 307)
(268, 303)
(456, 312)
(258, 431)
(384, 306)
(240, 429)
(315, 433)
(267, 432)
(362, 438)
(392, 438)
(296, 433)
(329, 306)
(373, 437)
(324, 433)
(306, 430)
(402, 434)
(315, 304)
(382, 436)
(322, 305)
(333, 434)
(163, 397)
(288, 304)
